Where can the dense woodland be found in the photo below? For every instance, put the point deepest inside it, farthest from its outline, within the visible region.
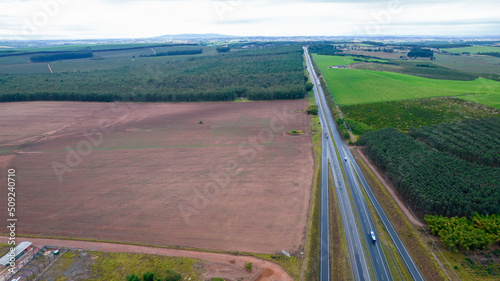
(434, 182)
(478, 232)
(475, 141)
(61, 56)
(264, 74)
(419, 52)
(493, 54)
(324, 49)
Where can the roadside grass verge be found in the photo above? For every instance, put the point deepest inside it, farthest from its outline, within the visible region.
(427, 265)
(311, 260)
(354, 86)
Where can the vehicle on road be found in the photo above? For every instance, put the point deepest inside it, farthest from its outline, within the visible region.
(326, 134)
(345, 158)
(374, 239)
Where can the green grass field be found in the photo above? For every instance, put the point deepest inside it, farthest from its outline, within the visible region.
(473, 49)
(341, 60)
(353, 86)
(476, 64)
(426, 70)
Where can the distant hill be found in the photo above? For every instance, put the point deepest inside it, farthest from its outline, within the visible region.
(195, 36)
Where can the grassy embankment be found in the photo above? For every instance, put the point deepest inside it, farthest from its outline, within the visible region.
(311, 260)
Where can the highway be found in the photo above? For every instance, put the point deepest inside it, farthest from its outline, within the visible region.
(357, 258)
(352, 172)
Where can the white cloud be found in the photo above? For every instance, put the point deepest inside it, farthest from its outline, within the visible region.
(134, 18)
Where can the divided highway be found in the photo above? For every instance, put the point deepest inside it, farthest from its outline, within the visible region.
(357, 258)
(352, 171)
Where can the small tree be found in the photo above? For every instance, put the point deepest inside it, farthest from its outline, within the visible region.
(312, 109)
(201, 122)
(223, 49)
(248, 267)
(309, 86)
(148, 276)
(173, 276)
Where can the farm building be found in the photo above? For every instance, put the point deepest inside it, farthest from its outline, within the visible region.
(20, 249)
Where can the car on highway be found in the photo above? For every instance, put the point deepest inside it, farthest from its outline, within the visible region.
(326, 134)
(345, 158)
(372, 234)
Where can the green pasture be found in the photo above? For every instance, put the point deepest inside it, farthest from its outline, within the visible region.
(473, 49)
(476, 64)
(353, 86)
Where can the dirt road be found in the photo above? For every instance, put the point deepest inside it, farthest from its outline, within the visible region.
(220, 265)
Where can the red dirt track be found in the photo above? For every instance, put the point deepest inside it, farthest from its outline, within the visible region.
(226, 266)
(151, 173)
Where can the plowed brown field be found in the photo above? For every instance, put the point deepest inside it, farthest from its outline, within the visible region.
(151, 173)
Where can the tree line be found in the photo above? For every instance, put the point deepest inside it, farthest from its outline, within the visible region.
(493, 54)
(433, 182)
(419, 52)
(176, 53)
(324, 49)
(62, 56)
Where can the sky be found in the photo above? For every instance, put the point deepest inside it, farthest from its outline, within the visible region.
(101, 19)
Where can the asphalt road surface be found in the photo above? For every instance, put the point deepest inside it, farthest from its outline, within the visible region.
(353, 172)
(355, 248)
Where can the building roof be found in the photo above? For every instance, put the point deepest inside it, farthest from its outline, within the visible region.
(5, 260)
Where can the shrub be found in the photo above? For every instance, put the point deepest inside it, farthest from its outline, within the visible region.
(309, 86)
(133, 277)
(248, 267)
(312, 109)
(149, 276)
(173, 276)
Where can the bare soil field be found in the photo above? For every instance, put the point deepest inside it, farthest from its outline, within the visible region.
(223, 176)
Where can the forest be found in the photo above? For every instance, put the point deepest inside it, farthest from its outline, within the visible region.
(324, 49)
(493, 54)
(476, 141)
(264, 74)
(419, 52)
(61, 56)
(433, 182)
(461, 233)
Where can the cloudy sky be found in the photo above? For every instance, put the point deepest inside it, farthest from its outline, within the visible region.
(84, 19)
